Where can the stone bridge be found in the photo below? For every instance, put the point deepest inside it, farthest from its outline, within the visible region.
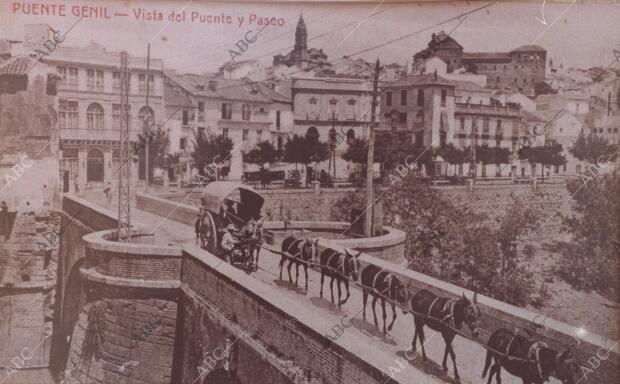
(145, 312)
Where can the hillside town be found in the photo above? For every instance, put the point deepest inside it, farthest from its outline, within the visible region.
(445, 97)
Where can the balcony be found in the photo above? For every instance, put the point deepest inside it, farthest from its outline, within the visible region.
(241, 124)
(102, 136)
(482, 109)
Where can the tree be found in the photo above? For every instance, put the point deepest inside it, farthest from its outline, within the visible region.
(453, 155)
(590, 259)
(305, 150)
(210, 149)
(549, 154)
(158, 151)
(593, 149)
(456, 244)
(264, 152)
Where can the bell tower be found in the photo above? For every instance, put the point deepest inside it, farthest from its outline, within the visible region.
(301, 35)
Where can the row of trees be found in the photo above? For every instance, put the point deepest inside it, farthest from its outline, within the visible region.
(390, 154)
(307, 149)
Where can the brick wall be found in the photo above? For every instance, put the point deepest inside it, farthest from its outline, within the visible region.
(136, 337)
(284, 332)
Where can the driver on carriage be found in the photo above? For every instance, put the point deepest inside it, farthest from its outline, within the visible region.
(228, 241)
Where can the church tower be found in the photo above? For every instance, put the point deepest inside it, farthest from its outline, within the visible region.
(301, 35)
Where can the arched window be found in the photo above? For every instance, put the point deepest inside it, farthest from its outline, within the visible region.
(94, 116)
(350, 136)
(146, 114)
(312, 132)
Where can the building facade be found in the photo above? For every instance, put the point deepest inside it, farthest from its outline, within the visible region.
(518, 70)
(247, 112)
(89, 112)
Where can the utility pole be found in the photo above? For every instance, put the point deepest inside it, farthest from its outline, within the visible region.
(371, 148)
(147, 127)
(334, 143)
(124, 174)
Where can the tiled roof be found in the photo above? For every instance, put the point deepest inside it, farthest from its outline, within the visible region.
(98, 55)
(227, 89)
(175, 95)
(426, 79)
(486, 55)
(17, 66)
(469, 86)
(529, 48)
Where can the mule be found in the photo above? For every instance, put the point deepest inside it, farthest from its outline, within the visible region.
(300, 252)
(533, 362)
(445, 316)
(382, 285)
(340, 267)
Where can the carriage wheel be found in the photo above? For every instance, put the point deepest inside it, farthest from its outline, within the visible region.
(212, 240)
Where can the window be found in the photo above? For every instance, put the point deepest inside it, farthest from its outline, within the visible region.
(498, 130)
(497, 79)
(245, 133)
(444, 96)
(116, 81)
(331, 109)
(62, 72)
(141, 83)
(245, 112)
(278, 120)
(226, 111)
(388, 98)
(351, 109)
(403, 97)
(90, 79)
(116, 117)
(151, 83)
(201, 111)
(419, 138)
(146, 114)
(420, 98)
(99, 80)
(313, 113)
(485, 126)
(225, 132)
(350, 136)
(402, 117)
(185, 117)
(564, 167)
(462, 123)
(182, 143)
(312, 132)
(443, 138)
(94, 116)
(259, 135)
(68, 114)
(419, 117)
(578, 168)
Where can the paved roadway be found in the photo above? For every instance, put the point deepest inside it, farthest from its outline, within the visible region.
(469, 356)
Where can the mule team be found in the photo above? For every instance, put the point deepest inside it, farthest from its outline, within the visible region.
(533, 361)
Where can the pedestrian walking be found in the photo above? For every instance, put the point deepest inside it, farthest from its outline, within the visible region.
(108, 193)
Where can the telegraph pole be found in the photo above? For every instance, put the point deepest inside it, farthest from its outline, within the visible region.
(124, 174)
(334, 144)
(371, 148)
(147, 127)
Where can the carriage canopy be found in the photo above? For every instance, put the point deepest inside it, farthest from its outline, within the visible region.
(249, 201)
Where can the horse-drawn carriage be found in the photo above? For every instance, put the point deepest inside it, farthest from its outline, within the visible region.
(232, 207)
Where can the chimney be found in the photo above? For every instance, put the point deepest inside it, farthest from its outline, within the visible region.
(213, 85)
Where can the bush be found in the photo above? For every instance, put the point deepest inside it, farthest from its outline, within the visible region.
(456, 244)
(590, 260)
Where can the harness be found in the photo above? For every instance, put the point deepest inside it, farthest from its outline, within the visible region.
(387, 279)
(450, 315)
(533, 353)
(340, 264)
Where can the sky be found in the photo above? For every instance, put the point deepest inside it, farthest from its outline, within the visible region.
(577, 34)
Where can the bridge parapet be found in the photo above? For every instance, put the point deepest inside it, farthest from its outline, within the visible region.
(272, 327)
(497, 314)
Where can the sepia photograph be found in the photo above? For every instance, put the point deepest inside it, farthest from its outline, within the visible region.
(309, 192)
